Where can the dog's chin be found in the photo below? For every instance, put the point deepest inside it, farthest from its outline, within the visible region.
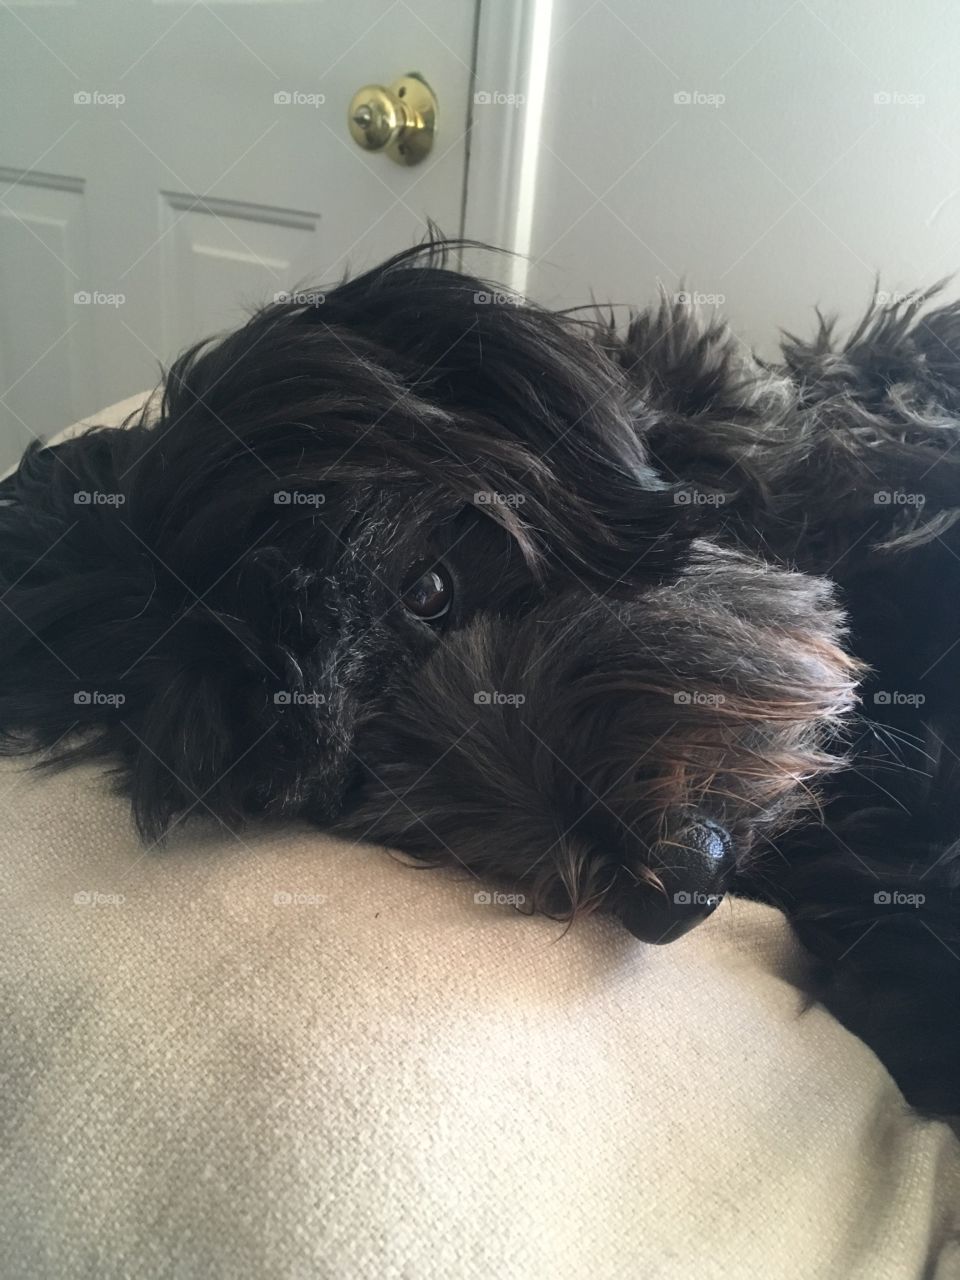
(622, 757)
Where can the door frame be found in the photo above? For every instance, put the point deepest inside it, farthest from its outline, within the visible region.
(512, 55)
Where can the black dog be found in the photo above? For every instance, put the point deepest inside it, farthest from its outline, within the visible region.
(506, 589)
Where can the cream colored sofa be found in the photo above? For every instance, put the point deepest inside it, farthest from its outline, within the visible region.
(271, 1054)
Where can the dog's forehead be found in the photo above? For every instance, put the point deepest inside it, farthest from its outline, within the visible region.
(385, 521)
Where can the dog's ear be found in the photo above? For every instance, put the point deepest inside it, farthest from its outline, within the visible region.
(106, 654)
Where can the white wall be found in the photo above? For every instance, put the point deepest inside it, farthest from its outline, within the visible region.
(795, 190)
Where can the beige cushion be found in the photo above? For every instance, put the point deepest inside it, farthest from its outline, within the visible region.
(111, 417)
(268, 1053)
(274, 1054)
(114, 416)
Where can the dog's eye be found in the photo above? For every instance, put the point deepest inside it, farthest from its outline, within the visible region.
(429, 595)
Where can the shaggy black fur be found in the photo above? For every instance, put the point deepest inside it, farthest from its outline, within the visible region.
(638, 687)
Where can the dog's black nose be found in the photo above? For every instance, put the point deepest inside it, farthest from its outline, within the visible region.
(693, 870)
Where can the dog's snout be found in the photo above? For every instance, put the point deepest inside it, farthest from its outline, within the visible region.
(692, 869)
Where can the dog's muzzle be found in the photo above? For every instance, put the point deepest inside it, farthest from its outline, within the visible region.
(693, 871)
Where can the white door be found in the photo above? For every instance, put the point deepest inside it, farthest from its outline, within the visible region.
(165, 165)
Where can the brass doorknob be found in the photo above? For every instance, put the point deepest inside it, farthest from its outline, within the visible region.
(400, 120)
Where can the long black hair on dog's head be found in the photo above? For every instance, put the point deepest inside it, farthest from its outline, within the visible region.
(218, 597)
(211, 595)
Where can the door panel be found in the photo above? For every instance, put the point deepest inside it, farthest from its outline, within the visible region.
(181, 162)
(45, 363)
(223, 257)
